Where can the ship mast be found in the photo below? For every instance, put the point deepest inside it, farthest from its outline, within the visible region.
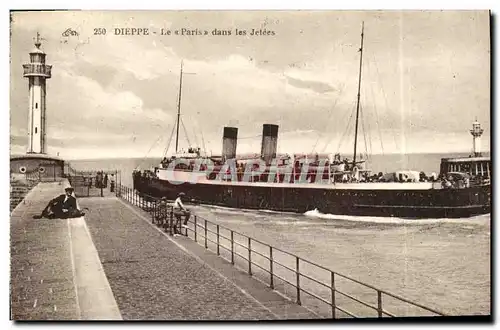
(178, 111)
(359, 94)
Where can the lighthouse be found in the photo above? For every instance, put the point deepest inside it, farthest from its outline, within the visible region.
(36, 163)
(37, 73)
(476, 133)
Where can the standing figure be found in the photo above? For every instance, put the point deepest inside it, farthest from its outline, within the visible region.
(112, 183)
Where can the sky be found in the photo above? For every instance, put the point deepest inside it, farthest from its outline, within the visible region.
(425, 78)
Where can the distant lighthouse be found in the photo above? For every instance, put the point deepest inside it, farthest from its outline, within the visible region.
(476, 133)
(37, 73)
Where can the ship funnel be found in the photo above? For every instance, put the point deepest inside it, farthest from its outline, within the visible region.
(229, 142)
(269, 142)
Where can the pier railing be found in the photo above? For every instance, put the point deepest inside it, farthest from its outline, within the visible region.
(328, 293)
(92, 183)
(43, 173)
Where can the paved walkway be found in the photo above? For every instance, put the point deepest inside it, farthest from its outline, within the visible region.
(114, 264)
(55, 270)
(41, 270)
(156, 277)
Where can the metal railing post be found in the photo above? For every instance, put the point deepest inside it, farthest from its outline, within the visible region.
(249, 256)
(332, 287)
(171, 218)
(218, 241)
(152, 214)
(297, 273)
(195, 229)
(271, 267)
(206, 242)
(232, 247)
(379, 303)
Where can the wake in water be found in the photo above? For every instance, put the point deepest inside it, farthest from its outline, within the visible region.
(480, 219)
(287, 218)
(277, 217)
(230, 210)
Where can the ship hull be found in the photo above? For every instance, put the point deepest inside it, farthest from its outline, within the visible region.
(415, 203)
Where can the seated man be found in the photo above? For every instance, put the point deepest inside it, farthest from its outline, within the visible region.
(180, 211)
(63, 207)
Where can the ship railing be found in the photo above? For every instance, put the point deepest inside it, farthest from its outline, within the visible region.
(327, 293)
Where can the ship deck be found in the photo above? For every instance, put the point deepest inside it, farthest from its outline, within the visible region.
(200, 178)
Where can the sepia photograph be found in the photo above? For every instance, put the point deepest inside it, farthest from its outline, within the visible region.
(250, 165)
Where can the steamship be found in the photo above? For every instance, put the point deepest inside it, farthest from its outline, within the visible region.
(331, 186)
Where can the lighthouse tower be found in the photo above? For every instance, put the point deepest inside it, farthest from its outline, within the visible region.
(476, 132)
(36, 162)
(37, 73)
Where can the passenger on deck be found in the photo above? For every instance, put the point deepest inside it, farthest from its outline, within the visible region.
(163, 163)
(423, 177)
(180, 211)
(62, 207)
(346, 163)
(380, 176)
(447, 183)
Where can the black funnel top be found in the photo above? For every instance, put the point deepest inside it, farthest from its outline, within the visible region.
(230, 132)
(270, 130)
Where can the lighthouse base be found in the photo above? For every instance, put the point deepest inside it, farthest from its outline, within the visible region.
(40, 166)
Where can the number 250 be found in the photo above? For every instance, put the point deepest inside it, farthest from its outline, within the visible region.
(99, 31)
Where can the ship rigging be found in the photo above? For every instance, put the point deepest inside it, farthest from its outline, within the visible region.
(462, 189)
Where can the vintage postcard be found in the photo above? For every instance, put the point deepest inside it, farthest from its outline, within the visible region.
(250, 165)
